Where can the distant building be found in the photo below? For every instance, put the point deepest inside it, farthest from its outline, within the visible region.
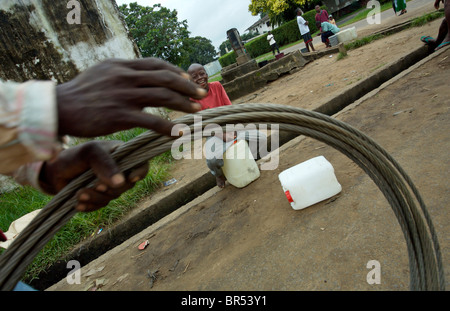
(212, 68)
(261, 26)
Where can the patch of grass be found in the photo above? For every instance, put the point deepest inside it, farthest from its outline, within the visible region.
(216, 77)
(422, 20)
(19, 202)
(26, 199)
(341, 55)
(361, 42)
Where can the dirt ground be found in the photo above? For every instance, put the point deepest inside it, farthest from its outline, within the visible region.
(251, 239)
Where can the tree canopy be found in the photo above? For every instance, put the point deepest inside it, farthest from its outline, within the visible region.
(280, 11)
(198, 50)
(158, 33)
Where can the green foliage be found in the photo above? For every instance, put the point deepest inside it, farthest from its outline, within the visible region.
(363, 41)
(249, 35)
(342, 55)
(227, 59)
(197, 50)
(258, 46)
(224, 46)
(422, 20)
(156, 31)
(280, 11)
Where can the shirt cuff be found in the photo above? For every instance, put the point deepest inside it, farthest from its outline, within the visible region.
(29, 175)
(39, 119)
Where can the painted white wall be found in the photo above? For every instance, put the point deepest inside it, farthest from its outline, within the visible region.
(82, 54)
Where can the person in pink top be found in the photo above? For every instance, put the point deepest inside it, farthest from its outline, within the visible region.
(321, 16)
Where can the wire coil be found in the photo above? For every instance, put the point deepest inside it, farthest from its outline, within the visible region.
(425, 262)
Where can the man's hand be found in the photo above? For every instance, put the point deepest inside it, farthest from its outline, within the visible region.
(110, 96)
(95, 155)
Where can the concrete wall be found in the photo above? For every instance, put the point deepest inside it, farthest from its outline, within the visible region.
(213, 68)
(56, 40)
(41, 39)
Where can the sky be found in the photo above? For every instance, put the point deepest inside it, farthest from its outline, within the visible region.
(208, 18)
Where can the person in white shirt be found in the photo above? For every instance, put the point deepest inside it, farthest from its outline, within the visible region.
(273, 43)
(304, 31)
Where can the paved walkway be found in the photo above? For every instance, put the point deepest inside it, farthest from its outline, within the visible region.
(387, 17)
(252, 240)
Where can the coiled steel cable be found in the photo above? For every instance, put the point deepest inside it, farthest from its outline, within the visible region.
(425, 262)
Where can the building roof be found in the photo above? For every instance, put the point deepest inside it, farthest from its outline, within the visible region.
(259, 22)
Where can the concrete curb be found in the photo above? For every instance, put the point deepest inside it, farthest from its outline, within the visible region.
(204, 185)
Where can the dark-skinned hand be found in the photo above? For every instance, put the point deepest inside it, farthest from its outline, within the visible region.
(95, 155)
(110, 96)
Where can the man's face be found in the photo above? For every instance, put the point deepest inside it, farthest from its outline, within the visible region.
(199, 76)
(317, 9)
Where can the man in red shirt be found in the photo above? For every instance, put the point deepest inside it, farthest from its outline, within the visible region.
(217, 96)
(220, 142)
(321, 16)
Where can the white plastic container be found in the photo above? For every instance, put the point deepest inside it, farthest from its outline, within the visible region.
(309, 182)
(333, 40)
(240, 167)
(347, 35)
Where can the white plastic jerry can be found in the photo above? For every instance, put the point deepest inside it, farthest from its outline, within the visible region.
(346, 35)
(309, 182)
(240, 168)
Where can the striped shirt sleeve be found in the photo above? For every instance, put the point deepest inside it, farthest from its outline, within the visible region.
(28, 124)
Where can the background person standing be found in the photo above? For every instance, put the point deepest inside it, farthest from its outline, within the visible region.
(304, 30)
(399, 6)
(321, 16)
(273, 43)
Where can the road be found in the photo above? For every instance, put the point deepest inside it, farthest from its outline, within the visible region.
(414, 7)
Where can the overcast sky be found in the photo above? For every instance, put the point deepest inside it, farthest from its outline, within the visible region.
(208, 18)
